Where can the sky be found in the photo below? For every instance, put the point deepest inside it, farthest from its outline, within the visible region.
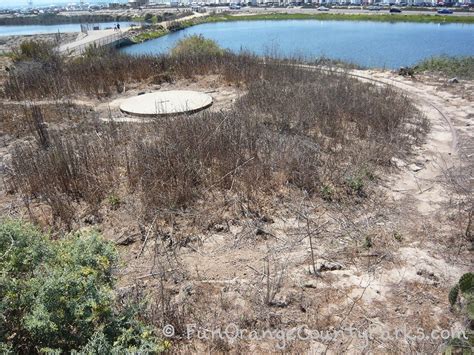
(24, 3)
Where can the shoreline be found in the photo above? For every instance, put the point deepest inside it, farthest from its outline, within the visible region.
(408, 15)
(157, 32)
(377, 17)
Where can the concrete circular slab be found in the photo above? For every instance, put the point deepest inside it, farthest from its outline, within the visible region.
(166, 103)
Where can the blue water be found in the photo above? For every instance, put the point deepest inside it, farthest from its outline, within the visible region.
(41, 29)
(370, 44)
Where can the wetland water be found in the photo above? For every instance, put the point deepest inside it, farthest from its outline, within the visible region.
(370, 44)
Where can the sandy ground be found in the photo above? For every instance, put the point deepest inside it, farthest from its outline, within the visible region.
(256, 271)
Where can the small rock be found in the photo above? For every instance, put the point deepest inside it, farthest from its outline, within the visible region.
(266, 219)
(413, 167)
(398, 162)
(262, 233)
(406, 71)
(428, 275)
(219, 228)
(314, 272)
(184, 292)
(188, 290)
(453, 81)
(311, 284)
(92, 219)
(328, 266)
(127, 241)
(281, 302)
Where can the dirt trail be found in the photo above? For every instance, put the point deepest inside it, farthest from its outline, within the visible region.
(423, 179)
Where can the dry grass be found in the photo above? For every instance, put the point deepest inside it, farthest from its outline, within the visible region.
(320, 132)
(214, 212)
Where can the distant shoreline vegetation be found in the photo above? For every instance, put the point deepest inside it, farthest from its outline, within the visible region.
(53, 19)
(460, 67)
(435, 18)
(153, 33)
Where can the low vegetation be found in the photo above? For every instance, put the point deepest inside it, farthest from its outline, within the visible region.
(156, 28)
(57, 296)
(155, 32)
(31, 50)
(387, 17)
(297, 145)
(320, 132)
(196, 46)
(177, 25)
(461, 299)
(165, 16)
(460, 67)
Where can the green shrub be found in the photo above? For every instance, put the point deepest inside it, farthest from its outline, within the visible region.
(368, 242)
(463, 291)
(114, 201)
(356, 184)
(327, 192)
(57, 296)
(453, 295)
(196, 45)
(34, 50)
(158, 31)
(398, 236)
(466, 283)
(175, 26)
(93, 51)
(461, 67)
(148, 17)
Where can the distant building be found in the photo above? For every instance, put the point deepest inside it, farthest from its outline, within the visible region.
(116, 5)
(137, 3)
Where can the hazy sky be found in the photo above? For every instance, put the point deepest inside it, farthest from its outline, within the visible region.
(22, 3)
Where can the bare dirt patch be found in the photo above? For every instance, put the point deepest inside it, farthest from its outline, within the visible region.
(223, 96)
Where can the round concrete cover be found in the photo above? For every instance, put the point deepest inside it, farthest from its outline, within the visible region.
(166, 103)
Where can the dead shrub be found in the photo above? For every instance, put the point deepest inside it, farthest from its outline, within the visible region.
(68, 170)
(322, 132)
